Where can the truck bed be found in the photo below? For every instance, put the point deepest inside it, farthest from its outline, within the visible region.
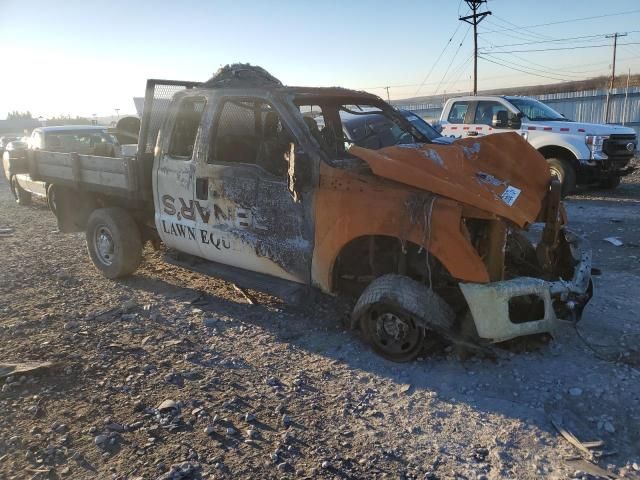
(114, 176)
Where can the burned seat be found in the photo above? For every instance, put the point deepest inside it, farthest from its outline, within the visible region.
(271, 152)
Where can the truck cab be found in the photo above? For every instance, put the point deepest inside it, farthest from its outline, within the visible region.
(577, 153)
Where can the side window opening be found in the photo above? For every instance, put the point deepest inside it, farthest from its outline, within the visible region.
(319, 127)
(336, 126)
(486, 111)
(251, 131)
(185, 129)
(458, 112)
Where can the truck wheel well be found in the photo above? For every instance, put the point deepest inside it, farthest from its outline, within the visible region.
(366, 258)
(555, 151)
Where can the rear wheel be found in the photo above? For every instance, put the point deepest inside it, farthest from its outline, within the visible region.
(20, 194)
(610, 183)
(564, 172)
(113, 241)
(51, 198)
(397, 315)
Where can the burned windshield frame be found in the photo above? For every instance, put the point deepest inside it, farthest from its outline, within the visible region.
(523, 104)
(332, 105)
(393, 115)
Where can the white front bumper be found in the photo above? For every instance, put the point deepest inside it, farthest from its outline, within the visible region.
(489, 302)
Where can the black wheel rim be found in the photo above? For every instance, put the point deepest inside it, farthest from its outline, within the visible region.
(52, 200)
(394, 335)
(104, 245)
(556, 173)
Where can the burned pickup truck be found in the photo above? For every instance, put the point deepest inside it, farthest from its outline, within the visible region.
(256, 183)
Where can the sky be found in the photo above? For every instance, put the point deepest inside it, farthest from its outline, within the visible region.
(87, 57)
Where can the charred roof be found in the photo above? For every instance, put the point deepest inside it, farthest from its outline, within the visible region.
(244, 75)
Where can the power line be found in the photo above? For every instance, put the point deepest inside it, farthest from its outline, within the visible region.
(521, 29)
(545, 67)
(522, 71)
(457, 73)
(452, 59)
(437, 60)
(561, 48)
(508, 34)
(569, 72)
(594, 37)
(541, 70)
(565, 21)
(632, 51)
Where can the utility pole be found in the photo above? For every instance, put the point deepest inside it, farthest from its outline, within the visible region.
(626, 97)
(613, 73)
(474, 20)
(388, 97)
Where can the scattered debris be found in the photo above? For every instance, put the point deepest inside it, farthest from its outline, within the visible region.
(615, 241)
(167, 405)
(581, 465)
(9, 369)
(585, 448)
(575, 391)
(247, 296)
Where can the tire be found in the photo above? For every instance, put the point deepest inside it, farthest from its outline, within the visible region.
(563, 170)
(113, 241)
(6, 171)
(610, 183)
(51, 199)
(396, 315)
(21, 196)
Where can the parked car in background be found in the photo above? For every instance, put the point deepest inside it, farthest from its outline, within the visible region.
(14, 149)
(81, 139)
(577, 153)
(372, 129)
(6, 139)
(427, 130)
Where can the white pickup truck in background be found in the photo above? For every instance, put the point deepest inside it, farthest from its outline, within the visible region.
(577, 153)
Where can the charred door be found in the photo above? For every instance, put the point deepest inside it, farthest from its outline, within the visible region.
(253, 221)
(176, 211)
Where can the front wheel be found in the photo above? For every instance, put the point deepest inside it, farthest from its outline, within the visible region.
(21, 196)
(113, 241)
(397, 315)
(564, 172)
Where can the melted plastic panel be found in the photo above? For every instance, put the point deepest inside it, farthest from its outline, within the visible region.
(499, 173)
(489, 305)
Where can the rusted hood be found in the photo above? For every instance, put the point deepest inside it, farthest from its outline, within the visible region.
(499, 173)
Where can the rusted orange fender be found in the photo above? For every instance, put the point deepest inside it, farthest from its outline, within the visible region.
(399, 200)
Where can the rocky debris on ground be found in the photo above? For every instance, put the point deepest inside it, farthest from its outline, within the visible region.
(173, 375)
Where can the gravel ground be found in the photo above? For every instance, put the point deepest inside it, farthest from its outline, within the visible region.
(173, 375)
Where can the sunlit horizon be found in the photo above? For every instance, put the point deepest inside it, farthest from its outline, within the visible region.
(64, 62)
